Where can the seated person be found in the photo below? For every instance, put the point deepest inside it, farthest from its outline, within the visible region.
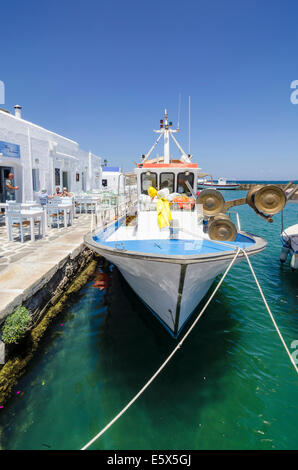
(58, 192)
(44, 197)
(66, 193)
(181, 187)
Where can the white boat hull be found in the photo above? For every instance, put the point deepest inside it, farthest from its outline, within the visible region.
(289, 239)
(171, 285)
(171, 290)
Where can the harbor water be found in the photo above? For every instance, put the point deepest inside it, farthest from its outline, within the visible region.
(231, 385)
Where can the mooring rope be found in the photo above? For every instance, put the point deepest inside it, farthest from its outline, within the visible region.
(261, 292)
(186, 335)
(166, 361)
(270, 313)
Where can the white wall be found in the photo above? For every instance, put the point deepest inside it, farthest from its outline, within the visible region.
(112, 178)
(46, 150)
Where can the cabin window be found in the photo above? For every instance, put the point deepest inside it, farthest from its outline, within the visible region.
(167, 180)
(77, 177)
(182, 178)
(148, 179)
(104, 183)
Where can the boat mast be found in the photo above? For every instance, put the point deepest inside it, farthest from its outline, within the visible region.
(166, 131)
(166, 146)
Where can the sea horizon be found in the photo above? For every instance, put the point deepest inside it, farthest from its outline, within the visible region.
(266, 181)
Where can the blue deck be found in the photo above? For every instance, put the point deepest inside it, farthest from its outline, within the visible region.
(171, 247)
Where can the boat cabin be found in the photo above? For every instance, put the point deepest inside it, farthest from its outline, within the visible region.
(180, 179)
(175, 182)
(173, 176)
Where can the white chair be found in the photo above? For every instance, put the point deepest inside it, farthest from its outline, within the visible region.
(70, 212)
(79, 203)
(66, 199)
(90, 205)
(31, 204)
(43, 200)
(54, 214)
(3, 217)
(15, 220)
(85, 203)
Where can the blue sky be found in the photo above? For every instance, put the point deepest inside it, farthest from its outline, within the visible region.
(102, 72)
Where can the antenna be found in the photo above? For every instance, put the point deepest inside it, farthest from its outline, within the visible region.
(179, 109)
(189, 125)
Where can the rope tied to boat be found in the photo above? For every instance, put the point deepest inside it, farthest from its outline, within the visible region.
(164, 363)
(270, 313)
(142, 390)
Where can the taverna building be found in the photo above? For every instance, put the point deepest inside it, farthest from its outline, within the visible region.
(111, 178)
(40, 158)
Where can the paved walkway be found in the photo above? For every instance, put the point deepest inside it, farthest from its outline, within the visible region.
(11, 252)
(26, 267)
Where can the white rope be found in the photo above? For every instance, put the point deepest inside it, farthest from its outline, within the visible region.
(186, 335)
(166, 361)
(270, 313)
(261, 292)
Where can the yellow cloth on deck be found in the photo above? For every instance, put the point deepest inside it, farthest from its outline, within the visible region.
(152, 192)
(164, 215)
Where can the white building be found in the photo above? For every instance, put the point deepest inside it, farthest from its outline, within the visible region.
(39, 158)
(112, 179)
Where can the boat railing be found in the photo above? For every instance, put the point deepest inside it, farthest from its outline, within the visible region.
(112, 207)
(237, 219)
(181, 205)
(184, 213)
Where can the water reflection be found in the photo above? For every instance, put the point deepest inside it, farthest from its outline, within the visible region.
(132, 345)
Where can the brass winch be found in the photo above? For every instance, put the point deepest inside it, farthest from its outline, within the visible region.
(212, 200)
(220, 227)
(269, 199)
(265, 200)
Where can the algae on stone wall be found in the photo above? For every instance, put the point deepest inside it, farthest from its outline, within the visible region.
(15, 367)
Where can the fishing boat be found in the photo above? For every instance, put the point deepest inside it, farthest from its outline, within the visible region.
(289, 241)
(179, 242)
(289, 236)
(221, 183)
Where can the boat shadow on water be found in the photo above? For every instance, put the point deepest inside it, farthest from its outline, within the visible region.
(288, 285)
(288, 278)
(132, 345)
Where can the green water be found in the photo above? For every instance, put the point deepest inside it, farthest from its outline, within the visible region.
(231, 386)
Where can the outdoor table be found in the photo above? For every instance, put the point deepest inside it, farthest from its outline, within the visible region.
(30, 214)
(24, 205)
(66, 206)
(86, 201)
